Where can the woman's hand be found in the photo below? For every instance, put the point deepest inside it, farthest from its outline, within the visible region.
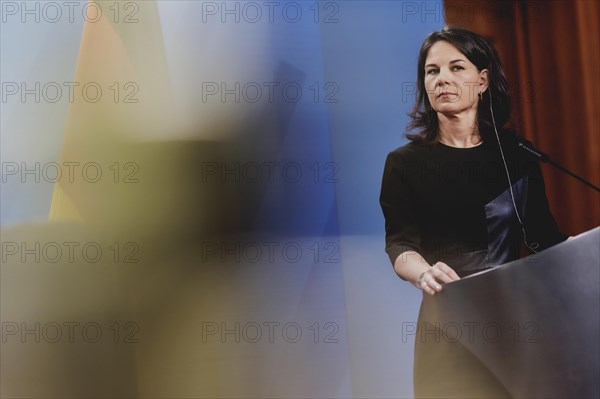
(431, 280)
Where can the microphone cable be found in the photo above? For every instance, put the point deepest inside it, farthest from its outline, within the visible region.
(534, 245)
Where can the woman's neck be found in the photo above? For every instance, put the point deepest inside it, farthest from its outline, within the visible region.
(458, 132)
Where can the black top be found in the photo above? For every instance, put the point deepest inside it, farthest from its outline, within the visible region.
(454, 204)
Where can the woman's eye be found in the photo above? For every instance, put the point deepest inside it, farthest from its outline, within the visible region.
(457, 67)
(431, 71)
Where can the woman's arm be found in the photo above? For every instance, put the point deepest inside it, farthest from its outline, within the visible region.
(402, 229)
(540, 225)
(403, 234)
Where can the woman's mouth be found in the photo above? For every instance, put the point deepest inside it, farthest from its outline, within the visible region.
(445, 94)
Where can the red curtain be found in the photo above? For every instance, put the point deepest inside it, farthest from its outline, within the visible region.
(550, 51)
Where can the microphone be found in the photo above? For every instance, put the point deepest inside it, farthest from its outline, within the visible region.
(532, 150)
(545, 158)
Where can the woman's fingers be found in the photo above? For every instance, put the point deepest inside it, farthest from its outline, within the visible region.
(441, 276)
(440, 273)
(448, 271)
(429, 284)
(426, 288)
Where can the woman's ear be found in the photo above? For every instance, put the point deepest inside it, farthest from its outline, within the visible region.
(484, 79)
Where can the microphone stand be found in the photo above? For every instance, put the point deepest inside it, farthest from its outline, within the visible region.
(545, 158)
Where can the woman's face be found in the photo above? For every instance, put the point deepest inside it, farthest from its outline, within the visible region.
(452, 82)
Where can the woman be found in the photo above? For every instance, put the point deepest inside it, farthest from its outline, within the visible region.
(460, 197)
(449, 206)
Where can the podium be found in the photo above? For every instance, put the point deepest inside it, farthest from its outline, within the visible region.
(526, 329)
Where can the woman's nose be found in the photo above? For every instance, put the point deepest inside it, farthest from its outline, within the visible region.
(442, 78)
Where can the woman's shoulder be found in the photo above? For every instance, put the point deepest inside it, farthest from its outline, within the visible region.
(508, 137)
(411, 150)
(514, 149)
(515, 144)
